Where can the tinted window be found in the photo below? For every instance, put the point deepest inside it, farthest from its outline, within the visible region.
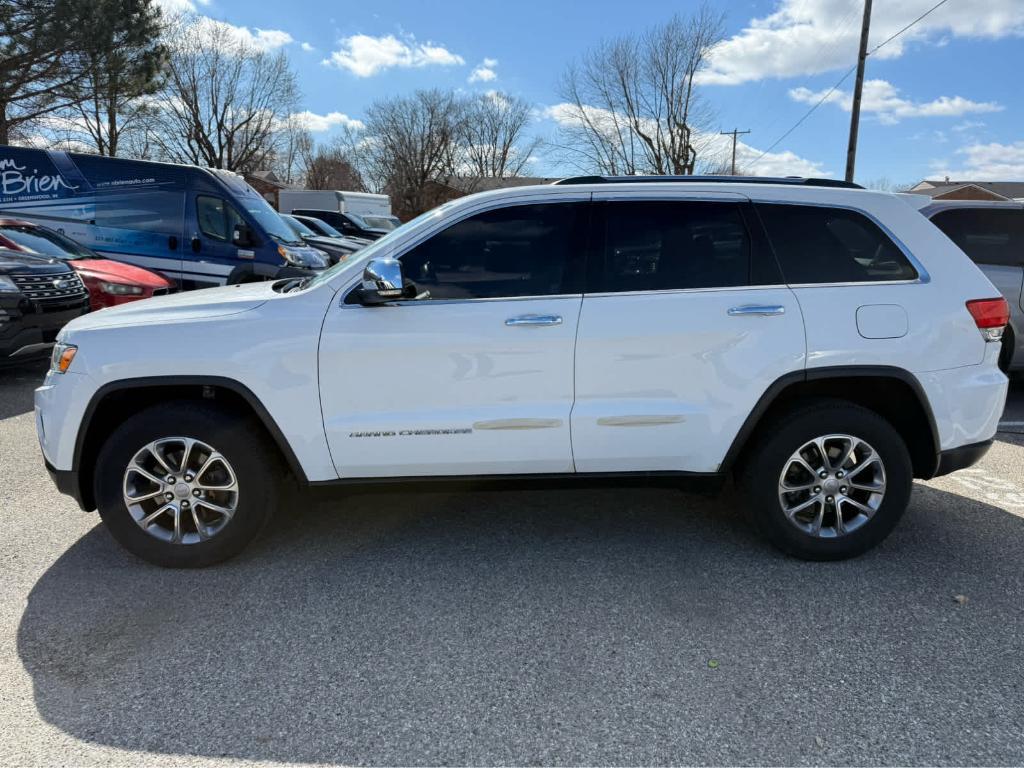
(657, 245)
(987, 235)
(217, 219)
(527, 250)
(45, 242)
(831, 245)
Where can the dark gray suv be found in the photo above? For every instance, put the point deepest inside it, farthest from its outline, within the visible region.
(992, 235)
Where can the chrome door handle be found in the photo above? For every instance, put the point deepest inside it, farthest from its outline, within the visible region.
(764, 310)
(535, 320)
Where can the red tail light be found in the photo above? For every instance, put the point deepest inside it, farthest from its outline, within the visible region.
(991, 316)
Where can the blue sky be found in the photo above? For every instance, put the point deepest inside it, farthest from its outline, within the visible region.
(942, 98)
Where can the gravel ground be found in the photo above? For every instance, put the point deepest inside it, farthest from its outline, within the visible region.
(566, 626)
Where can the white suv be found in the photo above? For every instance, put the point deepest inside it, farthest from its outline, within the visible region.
(823, 343)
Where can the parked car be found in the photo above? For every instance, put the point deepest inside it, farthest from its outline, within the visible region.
(321, 227)
(198, 227)
(109, 282)
(374, 210)
(349, 224)
(992, 235)
(382, 222)
(337, 248)
(38, 296)
(822, 343)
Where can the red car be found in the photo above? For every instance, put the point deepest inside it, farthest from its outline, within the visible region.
(109, 282)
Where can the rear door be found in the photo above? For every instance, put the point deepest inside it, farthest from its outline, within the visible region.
(685, 323)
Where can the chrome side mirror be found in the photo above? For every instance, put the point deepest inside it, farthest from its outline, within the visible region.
(382, 281)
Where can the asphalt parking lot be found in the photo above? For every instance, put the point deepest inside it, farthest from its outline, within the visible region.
(569, 626)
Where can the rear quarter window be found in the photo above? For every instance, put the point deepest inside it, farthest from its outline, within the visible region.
(986, 235)
(818, 244)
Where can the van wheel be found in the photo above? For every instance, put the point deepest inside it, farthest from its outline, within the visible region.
(828, 481)
(1007, 350)
(187, 484)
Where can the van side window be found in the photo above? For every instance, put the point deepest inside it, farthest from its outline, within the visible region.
(671, 245)
(817, 244)
(986, 235)
(523, 250)
(217, 218)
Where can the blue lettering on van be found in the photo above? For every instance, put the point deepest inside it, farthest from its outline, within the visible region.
(14, 180)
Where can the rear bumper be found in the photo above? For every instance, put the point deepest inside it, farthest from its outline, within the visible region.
(961, 457)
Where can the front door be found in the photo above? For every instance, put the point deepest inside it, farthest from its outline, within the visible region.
(209, 257)
(684, 325)
(475, 375)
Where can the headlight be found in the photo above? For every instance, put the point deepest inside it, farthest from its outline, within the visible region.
(62, 356)
(7, 285)
(304, 258)
(121, 289)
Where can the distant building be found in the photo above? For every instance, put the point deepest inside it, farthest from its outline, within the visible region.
(970, 190)
(267, 184)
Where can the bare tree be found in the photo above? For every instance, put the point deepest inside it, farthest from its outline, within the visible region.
(330, 167)
(493, 140)
(225, 103)
(632, 105)
(40, 44)
(120, 69)
(409, 143)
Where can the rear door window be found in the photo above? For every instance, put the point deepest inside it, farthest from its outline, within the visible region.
(662, 245)
(818, 244)
(986, 235)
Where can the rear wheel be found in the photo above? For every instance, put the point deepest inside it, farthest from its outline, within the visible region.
(186, 484)
(829, 481)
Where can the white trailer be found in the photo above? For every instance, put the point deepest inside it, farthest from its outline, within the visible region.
(360, 203)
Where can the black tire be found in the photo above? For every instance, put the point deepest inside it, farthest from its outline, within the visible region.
(240, 440)
(778, 441)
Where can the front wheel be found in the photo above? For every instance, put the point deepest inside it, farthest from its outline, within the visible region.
(187, 484)
(829, 481)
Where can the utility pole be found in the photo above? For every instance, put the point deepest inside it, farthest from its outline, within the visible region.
(734, 133)
(851, 151)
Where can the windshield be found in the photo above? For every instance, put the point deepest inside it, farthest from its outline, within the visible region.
(269, 219)
(327, 228)
(300, 228)
(377, 246)
(45, 242)
(381, 222)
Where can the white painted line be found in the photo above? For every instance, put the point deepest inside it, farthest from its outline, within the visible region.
(1011, 423)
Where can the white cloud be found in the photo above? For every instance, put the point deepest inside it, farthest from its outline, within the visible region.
(883, 98)
(307, 47)
(969, 125)
(261, 39)
(984, 162)
(712, 145)
(174, 7)
(806, 37)
(320, 123)
(484, 71)
(364, 55)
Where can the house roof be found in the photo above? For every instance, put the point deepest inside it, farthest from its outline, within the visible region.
(1011, 190)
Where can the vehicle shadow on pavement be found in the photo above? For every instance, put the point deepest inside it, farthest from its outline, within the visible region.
(564, 626)
(17, 387)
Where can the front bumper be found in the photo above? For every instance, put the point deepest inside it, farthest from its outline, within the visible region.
(67, 483)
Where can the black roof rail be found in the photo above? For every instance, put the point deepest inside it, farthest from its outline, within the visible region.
(794, 180)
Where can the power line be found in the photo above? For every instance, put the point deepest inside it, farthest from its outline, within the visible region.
(849, 72)
(893, 37)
